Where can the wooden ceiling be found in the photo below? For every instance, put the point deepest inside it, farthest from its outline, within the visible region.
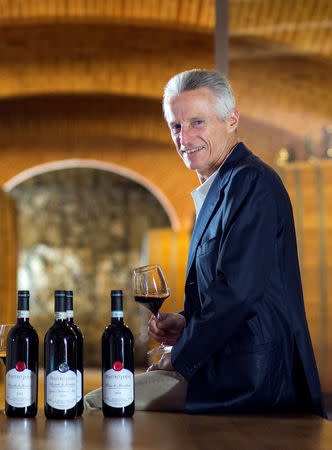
(284, 26)
(280, 55)
(301, 26)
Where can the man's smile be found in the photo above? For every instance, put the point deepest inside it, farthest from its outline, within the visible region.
(192, 150)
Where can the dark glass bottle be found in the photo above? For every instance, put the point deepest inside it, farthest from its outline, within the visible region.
(117, 364)
(60, 364)
(22, 363)
(79, 343)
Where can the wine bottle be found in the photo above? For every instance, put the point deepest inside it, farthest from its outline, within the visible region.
(79, 345)
(60, 364)
(117, 364)
(22, 363)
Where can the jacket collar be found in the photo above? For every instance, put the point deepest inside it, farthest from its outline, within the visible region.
(240, 151)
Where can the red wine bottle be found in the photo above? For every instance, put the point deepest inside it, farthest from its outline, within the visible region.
(60, 364)
(79, 344)
(22, 363)
(117, 364)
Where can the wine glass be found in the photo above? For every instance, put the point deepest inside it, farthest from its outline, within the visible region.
(3, 344)
(150, 290)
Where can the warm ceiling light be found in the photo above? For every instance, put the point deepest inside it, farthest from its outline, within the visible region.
(284, 154)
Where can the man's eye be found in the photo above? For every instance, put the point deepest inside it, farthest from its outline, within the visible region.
(197, 122)
(176, 128)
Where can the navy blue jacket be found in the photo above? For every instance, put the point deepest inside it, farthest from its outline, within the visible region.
(246, 346)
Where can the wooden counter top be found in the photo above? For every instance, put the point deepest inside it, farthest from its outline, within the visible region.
(152, 430)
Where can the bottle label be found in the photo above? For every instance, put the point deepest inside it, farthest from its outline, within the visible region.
(117, 314)
(79, 386)
(23, 314)
(20, 386)
(118, 386)
(61, 389)
(60, 315)
(70, 313)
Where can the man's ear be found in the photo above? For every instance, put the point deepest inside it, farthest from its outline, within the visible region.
(232, 120)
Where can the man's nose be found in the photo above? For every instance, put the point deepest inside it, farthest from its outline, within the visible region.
(185, 136)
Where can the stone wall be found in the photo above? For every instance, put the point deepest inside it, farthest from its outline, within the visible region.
(82, 229)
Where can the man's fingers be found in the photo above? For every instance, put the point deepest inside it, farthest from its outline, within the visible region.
(156, 336)
(154, 330)
(152, 326)
(161, 316)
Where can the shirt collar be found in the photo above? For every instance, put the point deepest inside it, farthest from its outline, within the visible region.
(199, 194)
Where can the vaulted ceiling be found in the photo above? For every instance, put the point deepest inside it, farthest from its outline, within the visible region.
(81, 54)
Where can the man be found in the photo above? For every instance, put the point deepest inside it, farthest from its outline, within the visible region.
(241, 344)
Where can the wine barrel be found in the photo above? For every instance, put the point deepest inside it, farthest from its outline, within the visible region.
(309, 185)
(8, 258)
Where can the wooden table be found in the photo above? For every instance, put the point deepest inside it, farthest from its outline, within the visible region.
(151, 430)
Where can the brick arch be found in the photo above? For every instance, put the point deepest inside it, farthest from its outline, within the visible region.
(95, 164)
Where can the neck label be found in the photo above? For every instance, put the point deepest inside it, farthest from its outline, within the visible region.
(117, 314)
(70, 313)
(23, 314)
(60, 315)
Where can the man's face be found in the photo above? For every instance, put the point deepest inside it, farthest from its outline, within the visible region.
(201, 138)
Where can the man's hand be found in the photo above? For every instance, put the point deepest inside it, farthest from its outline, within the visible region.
(166, 328)
(164, 363)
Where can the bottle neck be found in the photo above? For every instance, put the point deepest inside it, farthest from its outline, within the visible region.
(60, 316)
(116, 316)
(23, 316)
(70, 316)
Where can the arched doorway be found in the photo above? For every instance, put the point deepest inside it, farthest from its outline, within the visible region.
(81, 228)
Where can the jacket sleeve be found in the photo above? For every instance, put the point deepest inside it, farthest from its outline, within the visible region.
(244, 261)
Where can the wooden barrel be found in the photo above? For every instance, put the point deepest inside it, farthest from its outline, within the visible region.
(8, 258)
(309, 185)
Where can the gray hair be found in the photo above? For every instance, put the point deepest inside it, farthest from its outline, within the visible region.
(195, 79)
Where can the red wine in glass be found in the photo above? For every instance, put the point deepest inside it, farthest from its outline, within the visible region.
(150, 287)
(153, 303)
(150, 290)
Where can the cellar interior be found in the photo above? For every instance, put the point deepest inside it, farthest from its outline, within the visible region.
(91, 186)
